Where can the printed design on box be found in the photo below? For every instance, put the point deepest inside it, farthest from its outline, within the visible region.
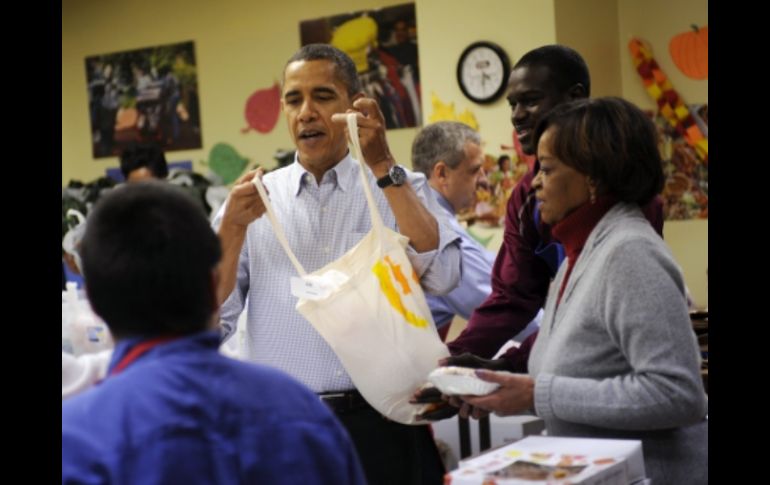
(530, 470)
(554, 461)
(517, 467)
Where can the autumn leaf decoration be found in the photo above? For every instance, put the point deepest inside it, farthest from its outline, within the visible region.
(670, 104)
(262, 109)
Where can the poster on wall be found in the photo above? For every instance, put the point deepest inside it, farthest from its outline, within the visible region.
(144, 95)
(383, 44)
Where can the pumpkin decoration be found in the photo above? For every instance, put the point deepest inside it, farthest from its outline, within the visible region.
(690, 52)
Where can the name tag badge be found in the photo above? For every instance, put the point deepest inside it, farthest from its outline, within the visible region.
(308, 289)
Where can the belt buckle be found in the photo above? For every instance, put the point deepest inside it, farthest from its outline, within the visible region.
(341, 402)
(333, 400)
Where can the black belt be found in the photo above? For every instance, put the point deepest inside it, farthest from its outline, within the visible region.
(344, 401)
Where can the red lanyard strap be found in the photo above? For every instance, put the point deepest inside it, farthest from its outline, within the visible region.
(138, 351)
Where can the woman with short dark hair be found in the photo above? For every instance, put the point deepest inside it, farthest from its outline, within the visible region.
(616, 356)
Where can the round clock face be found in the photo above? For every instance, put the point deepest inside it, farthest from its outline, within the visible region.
(482, 72)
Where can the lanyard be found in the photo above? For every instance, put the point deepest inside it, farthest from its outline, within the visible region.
(140, 350)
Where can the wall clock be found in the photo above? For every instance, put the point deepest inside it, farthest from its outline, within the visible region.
(482, 72)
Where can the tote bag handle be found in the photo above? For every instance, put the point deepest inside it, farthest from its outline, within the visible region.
(377, 223)
(277, 228)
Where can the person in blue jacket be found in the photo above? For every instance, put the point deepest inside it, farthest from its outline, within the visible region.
(172, 409)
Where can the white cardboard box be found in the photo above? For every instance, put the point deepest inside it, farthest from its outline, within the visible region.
(553, 460)
(503, 430)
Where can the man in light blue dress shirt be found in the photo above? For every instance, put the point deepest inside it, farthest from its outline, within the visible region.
(320, 203)
(449, 154)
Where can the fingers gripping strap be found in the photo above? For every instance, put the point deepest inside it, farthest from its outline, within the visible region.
(373, 212)
(277, 228)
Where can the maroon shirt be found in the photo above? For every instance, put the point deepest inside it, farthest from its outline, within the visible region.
(520, 280)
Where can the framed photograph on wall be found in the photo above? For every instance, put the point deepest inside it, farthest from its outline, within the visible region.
(383, 44)
(144, 95)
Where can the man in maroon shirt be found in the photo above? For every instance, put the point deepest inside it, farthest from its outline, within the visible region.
(528, 258)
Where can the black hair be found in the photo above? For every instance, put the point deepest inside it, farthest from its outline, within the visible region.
(148, 255)
(566, 65)
(140, 155)
(610, 140)
(345, 68)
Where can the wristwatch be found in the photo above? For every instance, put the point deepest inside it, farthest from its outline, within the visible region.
(396, 176)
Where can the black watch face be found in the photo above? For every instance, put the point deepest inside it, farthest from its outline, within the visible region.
(398, 175)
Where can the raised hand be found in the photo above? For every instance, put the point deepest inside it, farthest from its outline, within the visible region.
(244, 205)
(371, 134)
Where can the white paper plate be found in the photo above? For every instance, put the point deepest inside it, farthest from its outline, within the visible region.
(460, 380)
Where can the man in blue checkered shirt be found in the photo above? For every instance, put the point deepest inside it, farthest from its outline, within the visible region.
(321, 205)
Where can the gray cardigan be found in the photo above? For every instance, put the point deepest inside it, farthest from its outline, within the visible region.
(618, 358)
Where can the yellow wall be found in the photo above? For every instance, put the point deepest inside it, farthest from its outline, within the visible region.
(689, 241)
(446, 29)
(591, 28)
(241, 46)
(657, 21)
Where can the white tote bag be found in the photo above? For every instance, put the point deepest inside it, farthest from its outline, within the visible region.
(369, 307)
